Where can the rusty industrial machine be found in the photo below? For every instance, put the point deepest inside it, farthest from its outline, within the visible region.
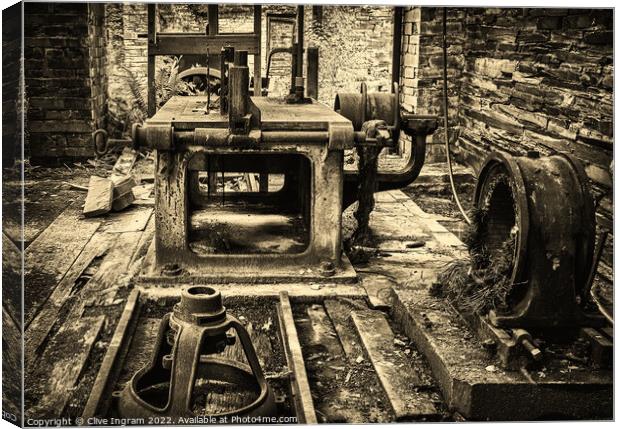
(289, 228)
(189, 363)
(543, 205)
(207, 234)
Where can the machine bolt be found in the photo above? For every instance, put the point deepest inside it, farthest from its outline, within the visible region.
(328, 269)
(171, 270)
(526, 340)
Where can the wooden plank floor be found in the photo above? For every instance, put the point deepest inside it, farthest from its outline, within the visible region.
(90, 278)
(84, 268)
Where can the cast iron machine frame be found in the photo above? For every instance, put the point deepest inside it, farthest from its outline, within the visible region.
(262, 134)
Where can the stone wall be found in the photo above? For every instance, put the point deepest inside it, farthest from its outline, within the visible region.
(64, 77)
(520, 79)
(355, 46)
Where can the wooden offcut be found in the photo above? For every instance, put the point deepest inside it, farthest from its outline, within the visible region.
(99, 197)
(110, 363)
(123, 195)
(340, 315)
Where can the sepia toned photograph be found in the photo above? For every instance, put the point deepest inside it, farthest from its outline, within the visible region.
(238, 213)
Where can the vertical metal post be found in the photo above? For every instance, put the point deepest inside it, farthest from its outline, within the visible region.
(300, 41)
(312, 73)
(226, 57)
(263, 178)
(293, 68)
(258, 81)
(397, 33)
(214, 28)
(317, 14)
(212, 16)
(150, 69)
(238, 93)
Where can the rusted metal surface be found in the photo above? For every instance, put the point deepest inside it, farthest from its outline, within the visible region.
(312, 78)
(363, 106)
(189, 339)
(546, 205)
(185, 132)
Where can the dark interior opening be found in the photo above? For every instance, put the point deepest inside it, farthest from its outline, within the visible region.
(234, 220)
(500, 216)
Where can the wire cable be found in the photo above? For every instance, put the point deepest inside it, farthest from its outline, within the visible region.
(445, 118)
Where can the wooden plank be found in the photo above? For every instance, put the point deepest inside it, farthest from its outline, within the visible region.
(340, 315)
(197, 44)
(51, 255)
(145, 241)
(110, 360)
(124, 163)
(301, 395)
(323, 333)
(250, 179)
(132, 220)
(99, 197)
(339, 396)
(59, 382)
(399, 380)
(12, 382)
(100, 290)
(112, 274)
(42, 324)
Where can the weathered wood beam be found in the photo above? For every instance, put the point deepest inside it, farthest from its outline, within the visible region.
(197, 44)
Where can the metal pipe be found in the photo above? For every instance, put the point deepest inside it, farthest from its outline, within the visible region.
(300, 41)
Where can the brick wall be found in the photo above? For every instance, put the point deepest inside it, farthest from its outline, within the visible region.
(520, 79)
(11, 90)
(421, 69)
(65, 81)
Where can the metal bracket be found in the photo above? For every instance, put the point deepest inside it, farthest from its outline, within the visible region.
(159, 137)
(341, 136)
